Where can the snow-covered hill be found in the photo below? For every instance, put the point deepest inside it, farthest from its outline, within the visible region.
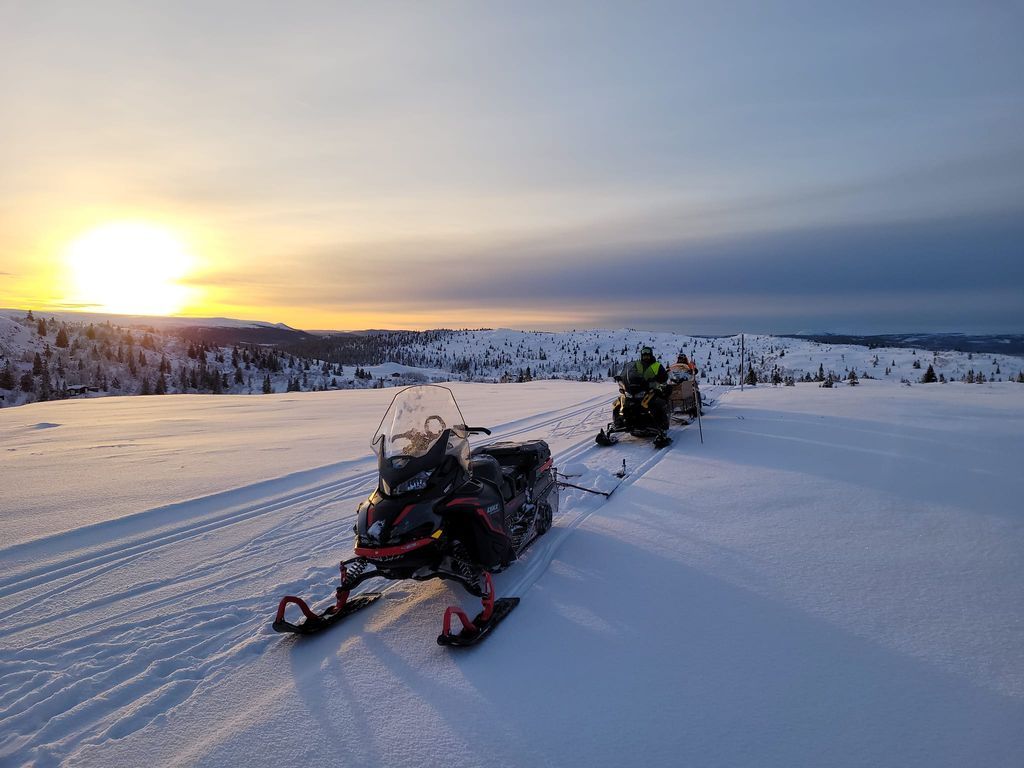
(50, 358)
(831, 578)
(591, 355)
(94, 359)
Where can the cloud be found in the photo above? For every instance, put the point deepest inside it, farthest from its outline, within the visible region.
(964, 253)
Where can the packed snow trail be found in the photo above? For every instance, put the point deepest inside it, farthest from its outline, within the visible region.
(811, 586)
(119, 594)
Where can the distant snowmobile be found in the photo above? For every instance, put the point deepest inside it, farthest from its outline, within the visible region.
(635, 411)
(441, 511)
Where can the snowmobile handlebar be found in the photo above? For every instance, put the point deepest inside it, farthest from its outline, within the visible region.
(477, 431)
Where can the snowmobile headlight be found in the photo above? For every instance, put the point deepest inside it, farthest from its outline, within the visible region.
(415, 483)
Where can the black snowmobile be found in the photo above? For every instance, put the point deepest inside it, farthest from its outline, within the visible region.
(636, 411)
(442, 511)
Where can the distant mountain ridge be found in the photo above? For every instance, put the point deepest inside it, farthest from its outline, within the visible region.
(1002, 343)
(220, 331)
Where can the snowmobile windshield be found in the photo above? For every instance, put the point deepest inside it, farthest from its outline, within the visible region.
(632, 378)
(414, 423)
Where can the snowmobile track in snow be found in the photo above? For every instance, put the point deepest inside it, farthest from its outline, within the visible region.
(129, 617)
(121, 553)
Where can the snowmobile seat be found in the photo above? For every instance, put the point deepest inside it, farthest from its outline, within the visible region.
(486, 467)
(519, 457)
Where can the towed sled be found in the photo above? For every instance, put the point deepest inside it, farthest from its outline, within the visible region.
(442, 511)
(640, 410)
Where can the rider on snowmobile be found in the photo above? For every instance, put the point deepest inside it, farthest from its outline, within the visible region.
(656, 375)
(684, 366)
(685, 392)
(653, 371)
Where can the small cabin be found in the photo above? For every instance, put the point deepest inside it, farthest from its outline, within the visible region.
(81, 389)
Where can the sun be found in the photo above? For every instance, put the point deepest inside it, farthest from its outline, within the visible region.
(129, 267)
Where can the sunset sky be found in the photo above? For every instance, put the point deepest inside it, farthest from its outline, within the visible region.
(697, 167)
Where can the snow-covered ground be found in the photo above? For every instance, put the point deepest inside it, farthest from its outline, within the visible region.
(832, 578)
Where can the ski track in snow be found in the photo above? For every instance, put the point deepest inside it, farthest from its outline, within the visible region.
(137, 640)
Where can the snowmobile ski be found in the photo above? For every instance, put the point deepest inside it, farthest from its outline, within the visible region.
(315, 622)
(481, 627)
(494, 611)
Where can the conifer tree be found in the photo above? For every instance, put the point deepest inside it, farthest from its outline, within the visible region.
(929, 376)
(45, 387)
(62, 338)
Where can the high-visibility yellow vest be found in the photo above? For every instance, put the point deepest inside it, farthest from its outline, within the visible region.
(650, 371)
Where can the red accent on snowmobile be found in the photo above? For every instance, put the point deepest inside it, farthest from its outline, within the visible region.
(485, 614)
(315, 622)
(488, 598)
(401, 549)
(402, 514)
(454, 610)
(461, 500)
(487, 519)
(474, 631)
(341, 596)
(479, 510)
(545, 466)
(297, 601)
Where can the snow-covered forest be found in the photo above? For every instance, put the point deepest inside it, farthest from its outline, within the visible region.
(47, 357)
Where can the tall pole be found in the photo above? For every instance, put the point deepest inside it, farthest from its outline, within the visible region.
(697, 397)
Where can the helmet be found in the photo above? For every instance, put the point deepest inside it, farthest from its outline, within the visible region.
(681, 358)
(646, 352)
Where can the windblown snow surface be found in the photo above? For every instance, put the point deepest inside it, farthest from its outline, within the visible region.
(833, 578)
